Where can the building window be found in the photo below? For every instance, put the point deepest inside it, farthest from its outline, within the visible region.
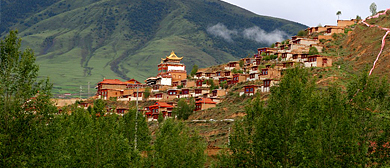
(179, 76)
(265, 72)
(267, 83)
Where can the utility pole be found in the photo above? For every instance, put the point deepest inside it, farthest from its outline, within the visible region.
(229, 137)
(136, 122)
(81, 87)
(88, 89)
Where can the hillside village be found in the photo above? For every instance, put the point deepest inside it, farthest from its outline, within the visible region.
(209, 86)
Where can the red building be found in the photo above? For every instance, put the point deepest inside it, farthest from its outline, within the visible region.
(236, 78)
(121, 110)
(107, 85)
(250, 89)
(199, 82)
(157, 108)
(204, 103)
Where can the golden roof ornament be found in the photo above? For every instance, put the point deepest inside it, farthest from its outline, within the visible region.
(173, 56)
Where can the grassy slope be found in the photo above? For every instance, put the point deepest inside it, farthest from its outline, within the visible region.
(83, 41)
(363, 46)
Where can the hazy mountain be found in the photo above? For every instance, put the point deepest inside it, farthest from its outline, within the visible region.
(79, 41)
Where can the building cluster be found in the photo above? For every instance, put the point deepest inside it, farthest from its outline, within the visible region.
(259, 72)
(326, 32)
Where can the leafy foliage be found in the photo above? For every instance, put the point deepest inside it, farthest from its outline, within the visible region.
(24, 101)
(147, 93)
(183, 110)
(270, 57)
(302, 33)
(303, 125)
(313, 51)
(194, 70)
(177, 146)
(373, 9)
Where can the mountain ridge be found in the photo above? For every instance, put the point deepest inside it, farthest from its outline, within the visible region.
(76, 42)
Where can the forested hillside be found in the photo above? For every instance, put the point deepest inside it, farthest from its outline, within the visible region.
(300, 124)
(83, 41)
(34, 134)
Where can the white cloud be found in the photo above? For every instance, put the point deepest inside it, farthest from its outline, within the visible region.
(259, 35)
(254, 33)
(220, 30)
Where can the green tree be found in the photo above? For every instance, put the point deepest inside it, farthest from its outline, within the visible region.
(223, 85)
(313, 51)
(99, 106)
(300, 124)
(338, 15)
(177, 146)
(373, 9)
(24, 101)
(358, 18)
(183, 110)
(131, 121)
(234, 71)
(241, 63)
(147, 93)
(194, 70)
(302, 33)
(160, 118)
(212, 84)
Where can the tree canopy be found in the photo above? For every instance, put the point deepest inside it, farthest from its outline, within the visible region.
(373, 9)
(303, 125)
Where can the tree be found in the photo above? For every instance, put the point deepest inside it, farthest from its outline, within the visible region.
(373, 9)
(338, 15)
(177, 146)
(300, 124)
(212, 85)
(313, 51)
(358, 18)
(223, 85)
(143, 136)
(99, 106)
(241, 63)
(194, 70)
(147, 93)
(183, 110)
(302, 33)
(24, 101)
(160, 118)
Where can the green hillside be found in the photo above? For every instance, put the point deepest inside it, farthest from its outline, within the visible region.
(77, 42)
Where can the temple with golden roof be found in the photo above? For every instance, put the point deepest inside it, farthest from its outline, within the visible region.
(171, 58)
(170, 70)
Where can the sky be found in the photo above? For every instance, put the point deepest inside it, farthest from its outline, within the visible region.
(311, 12)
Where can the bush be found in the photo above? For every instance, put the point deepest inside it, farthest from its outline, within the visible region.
(313, 51)
(302, 33)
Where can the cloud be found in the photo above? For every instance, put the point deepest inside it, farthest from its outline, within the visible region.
(259, 35)
(254, 33)
(220, 30)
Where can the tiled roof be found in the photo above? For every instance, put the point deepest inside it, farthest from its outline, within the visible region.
(112, 81)
(206, 101)
(133, 81)
(161, 104)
